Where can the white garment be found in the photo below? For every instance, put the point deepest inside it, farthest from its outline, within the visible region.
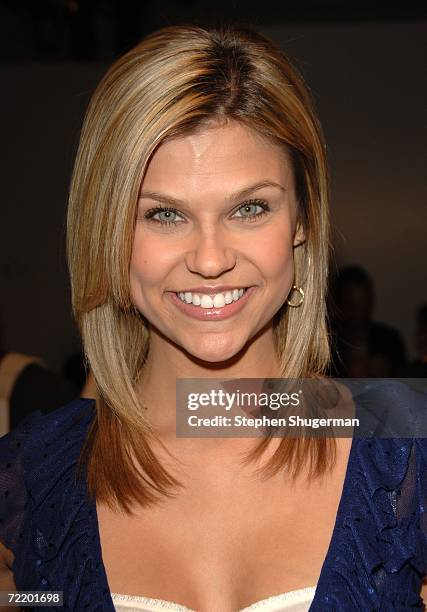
(292, 601)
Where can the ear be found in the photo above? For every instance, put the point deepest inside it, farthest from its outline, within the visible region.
(299, 234)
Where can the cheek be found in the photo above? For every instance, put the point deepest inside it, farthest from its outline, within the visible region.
(150, 263)
(145, 265)
(138, 263)
(274, 256)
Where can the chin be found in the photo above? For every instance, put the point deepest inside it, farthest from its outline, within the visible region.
(215, 348)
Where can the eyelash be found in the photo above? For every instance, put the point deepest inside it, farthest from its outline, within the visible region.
(150, 213)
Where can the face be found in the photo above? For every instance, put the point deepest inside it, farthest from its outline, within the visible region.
(216, 208)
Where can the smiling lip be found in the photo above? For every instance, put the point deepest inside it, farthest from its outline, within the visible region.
(212, 314)
(211, 289)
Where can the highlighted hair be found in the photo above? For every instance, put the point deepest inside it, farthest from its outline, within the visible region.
(174, 82)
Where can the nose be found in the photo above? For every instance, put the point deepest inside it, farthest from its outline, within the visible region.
(212, 255)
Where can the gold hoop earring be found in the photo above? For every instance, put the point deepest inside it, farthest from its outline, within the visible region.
(297, 304)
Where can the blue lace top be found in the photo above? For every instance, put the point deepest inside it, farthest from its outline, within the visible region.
(376, 559)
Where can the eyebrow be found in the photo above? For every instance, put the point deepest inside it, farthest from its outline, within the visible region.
(238, 195)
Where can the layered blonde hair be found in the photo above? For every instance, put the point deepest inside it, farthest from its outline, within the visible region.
(174, 82)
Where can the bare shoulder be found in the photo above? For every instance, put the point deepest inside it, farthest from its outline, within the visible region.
(6, 557)
(424, 591)
(7, 582)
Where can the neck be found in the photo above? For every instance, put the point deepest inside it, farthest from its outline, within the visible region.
(166, 362)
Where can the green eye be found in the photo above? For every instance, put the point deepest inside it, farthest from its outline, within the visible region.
(249, 209)
(160, 210)
(169, 214)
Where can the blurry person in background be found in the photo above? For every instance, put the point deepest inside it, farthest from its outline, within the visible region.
(28, 384)
(361, 347)
(418, 367)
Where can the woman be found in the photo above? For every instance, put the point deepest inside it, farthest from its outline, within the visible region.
(198, 248)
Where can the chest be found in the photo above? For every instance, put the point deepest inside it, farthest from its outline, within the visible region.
(225, 541)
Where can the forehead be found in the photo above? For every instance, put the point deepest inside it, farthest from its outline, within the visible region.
(217, 157)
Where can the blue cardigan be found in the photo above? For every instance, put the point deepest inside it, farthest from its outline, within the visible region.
(376, 559)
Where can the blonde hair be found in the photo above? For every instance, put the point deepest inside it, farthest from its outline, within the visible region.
(174, 82)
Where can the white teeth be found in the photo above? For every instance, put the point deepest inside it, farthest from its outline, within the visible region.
(228, 297)
(219, 300)
(206, 301)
